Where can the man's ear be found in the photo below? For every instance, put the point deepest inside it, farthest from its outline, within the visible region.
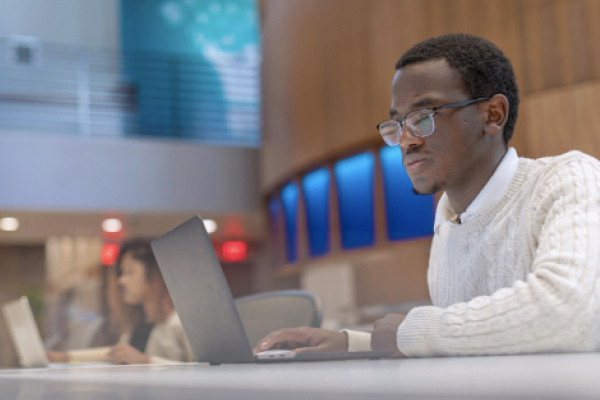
(497, 114)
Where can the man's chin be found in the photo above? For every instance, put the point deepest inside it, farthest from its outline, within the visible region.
(426, 191)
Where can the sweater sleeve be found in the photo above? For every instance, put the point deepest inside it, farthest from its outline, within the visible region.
(358, 341)
(97, 354)
(557, 307)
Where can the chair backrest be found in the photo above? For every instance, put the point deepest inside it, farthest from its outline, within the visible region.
(264, 313)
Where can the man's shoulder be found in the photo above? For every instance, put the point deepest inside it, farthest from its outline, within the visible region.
(542, 166)
(567, 158)
(548, 175)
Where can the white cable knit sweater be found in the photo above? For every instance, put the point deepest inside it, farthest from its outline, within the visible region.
(523, 277)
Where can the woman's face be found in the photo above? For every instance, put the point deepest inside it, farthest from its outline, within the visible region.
(133, 280)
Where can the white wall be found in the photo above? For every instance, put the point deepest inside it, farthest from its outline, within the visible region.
(78, 22)
(56, 172)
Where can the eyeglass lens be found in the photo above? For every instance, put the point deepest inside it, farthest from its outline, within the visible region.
(420, 124)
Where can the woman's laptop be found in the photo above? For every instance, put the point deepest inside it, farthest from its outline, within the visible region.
(24, 333)
(26, 337)
(205, 306)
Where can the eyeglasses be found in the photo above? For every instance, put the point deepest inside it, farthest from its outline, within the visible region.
(420, 122)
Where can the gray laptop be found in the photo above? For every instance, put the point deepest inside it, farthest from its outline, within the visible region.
(206, 308)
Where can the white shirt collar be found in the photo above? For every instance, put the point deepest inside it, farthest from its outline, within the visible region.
(493, 190)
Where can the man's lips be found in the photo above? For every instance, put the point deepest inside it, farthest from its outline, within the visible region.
(414, 164)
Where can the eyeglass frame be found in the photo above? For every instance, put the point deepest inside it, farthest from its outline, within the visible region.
(402, 121)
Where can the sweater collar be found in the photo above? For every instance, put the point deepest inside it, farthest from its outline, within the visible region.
(493, 191)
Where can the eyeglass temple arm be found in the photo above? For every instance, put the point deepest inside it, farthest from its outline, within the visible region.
(462, 103)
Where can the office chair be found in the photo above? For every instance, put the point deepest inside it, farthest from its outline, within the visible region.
(264, 313)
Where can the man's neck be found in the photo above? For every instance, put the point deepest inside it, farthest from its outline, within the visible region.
(462, 196)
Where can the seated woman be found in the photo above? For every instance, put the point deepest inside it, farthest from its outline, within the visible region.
(141, 284)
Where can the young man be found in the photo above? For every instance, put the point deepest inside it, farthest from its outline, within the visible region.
(515, 259)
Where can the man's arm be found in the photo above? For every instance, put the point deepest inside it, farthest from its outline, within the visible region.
(557, 308)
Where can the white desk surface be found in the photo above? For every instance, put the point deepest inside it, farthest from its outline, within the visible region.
(547, 376)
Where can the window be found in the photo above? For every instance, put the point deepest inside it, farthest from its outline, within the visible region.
(276, 219)
(289, 198)
(315, 186)
(408, 215)
(354, 182)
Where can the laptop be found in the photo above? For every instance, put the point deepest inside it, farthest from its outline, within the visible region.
(202, 298)
(25, 334)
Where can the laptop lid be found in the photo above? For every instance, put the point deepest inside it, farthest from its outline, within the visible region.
(201, 295)
(24, 333)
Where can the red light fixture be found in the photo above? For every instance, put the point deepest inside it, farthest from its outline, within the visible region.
(218, 247)
(109, 253)
(234, 251)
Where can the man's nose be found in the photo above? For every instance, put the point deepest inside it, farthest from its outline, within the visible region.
(408, 140)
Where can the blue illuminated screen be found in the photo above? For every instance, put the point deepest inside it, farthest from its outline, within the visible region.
(289, 198)
(354, 182)
(408, 214)
(315, 186)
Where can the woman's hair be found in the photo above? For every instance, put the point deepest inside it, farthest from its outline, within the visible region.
(140, 250)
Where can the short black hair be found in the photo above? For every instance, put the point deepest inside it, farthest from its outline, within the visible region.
(140, 250)
(483, 67)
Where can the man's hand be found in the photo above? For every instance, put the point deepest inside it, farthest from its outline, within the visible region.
(385, 334)
(57, 357)
(125, 354)
(304, 340)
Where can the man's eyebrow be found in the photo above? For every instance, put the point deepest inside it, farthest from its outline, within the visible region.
(422, 103)
(425, 102)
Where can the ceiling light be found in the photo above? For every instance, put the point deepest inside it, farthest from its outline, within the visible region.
(9, 224)
(112, 225)
(210, 225)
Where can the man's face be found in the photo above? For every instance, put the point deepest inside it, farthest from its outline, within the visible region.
(447, 158)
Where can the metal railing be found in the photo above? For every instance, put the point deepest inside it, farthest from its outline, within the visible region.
(66, 89)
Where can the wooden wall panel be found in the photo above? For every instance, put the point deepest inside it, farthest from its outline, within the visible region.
(276, 90)
(583, 65)
(592, 15)
(560, 42)
(307, 113)
(563, 119)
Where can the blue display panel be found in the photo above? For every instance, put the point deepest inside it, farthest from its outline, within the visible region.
(277, 225)
(408, 214)
(193, 67)
(289, 198)
(315, 186)
(354, 182)
(275, 209)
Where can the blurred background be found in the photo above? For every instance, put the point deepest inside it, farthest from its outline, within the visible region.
(123, 118)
